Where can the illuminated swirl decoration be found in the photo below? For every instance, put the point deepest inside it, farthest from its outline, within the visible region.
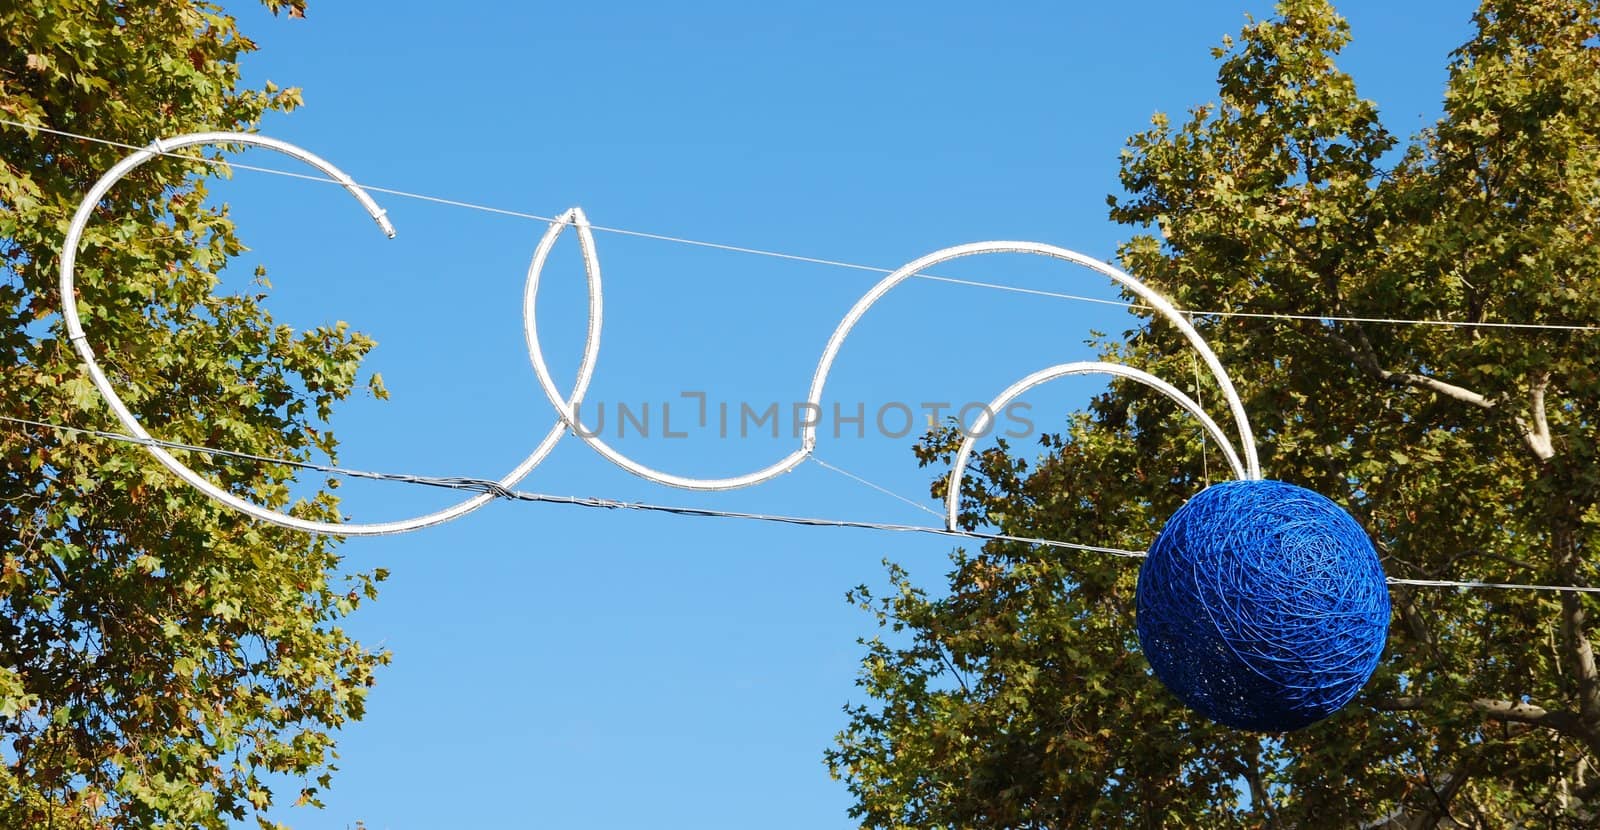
(1252, 613)
(567, 406)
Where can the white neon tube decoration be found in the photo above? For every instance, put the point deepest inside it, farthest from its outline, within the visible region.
(80, 341)
(808, 440)
(980, 428)
(568, 408)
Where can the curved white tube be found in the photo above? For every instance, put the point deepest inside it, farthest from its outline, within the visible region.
(819, 378)
(958, 470)
(1149, 295)
(80, 341)
(568, 408)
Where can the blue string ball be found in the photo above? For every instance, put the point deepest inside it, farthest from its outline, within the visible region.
(1262, 605)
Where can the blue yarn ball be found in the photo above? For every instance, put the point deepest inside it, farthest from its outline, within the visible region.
(1262, 605)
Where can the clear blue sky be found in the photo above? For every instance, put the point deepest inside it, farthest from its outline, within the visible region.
(560, 667)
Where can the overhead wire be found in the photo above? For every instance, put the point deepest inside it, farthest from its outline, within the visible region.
(482, 485)
(490, 486)
(833, 263)
(874, 486)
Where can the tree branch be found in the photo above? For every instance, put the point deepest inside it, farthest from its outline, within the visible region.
(1510, 711)
(1366, 358)
(1417, 623)
(1248, 767)
(1581, 650)
(1440, 809)
(1574, 635)
(1433, 384)
(950, 664)
(1538, 438)
(1505, 711)
(1397, 704)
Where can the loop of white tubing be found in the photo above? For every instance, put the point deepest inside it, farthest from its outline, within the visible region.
(808, 441)
(568, 408)
(74, 324)
(980, 428)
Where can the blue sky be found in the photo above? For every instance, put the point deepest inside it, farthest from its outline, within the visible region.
(561, 667)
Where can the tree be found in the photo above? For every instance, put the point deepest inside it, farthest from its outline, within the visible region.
(162, 660)
(1018, 698)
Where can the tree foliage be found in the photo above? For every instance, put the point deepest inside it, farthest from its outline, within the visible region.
(163, 661)
(1018, 698)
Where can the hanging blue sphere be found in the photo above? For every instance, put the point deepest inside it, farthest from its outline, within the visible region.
(1262, 605)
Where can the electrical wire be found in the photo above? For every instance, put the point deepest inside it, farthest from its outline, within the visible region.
(880, 488)
(481, 485)
(489, 486)
(833, 263)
